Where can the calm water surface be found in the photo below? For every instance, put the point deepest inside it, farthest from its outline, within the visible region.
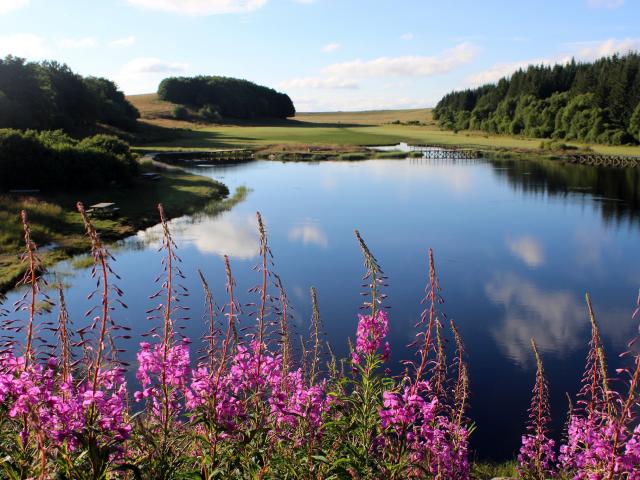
(517, 244)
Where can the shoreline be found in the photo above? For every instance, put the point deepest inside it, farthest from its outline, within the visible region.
(63, 235)
(303, 152)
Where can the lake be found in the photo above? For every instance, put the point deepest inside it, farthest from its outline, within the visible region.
(517, 244)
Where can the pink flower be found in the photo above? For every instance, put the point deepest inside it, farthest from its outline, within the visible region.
(370, 334)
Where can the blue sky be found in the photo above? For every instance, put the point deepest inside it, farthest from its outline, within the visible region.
(327, 54)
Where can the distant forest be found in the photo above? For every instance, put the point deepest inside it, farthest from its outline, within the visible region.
(218, 97)
(595, 102)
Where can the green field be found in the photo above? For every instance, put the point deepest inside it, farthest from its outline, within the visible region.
(333, 128)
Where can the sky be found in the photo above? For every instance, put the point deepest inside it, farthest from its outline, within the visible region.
(326, 54)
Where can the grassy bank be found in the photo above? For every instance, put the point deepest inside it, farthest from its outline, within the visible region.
(58, 230)
(333, 128)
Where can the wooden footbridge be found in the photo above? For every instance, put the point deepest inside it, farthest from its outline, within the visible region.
(435, 153)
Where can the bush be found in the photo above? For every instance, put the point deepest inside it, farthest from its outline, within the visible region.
(180, 112)
(211, 113)
(53, 161)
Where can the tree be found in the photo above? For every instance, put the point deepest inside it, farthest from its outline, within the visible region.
(230, 97)
(591, 102)
(634, 124)
(49, 95)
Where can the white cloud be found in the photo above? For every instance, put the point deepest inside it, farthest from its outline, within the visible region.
(201, 7)
(606, 3)
(123, 42)
(407, 36)
(500, 70)
(319, 82)
(153, 65)
(527, 249)
(24, 45)
(330, 47)
(309, 234)
(85, 42)
(412, 66)
(142, 75)
(7, 6)
(581, 51)
(595, 50)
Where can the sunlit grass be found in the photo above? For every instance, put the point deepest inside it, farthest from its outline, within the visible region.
(337, 128)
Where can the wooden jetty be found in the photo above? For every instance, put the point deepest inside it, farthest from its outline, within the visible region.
(598, 160)
(204, 157)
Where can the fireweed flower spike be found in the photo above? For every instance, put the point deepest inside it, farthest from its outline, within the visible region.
(537, 456)
(33, 279)
(163, 368)
(421, 432)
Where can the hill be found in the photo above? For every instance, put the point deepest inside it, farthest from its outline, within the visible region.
(595, 102)
(157, 111)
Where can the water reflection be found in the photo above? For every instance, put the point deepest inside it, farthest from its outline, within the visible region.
(229, 234)
(309, 233)
(554, 318)
(526, 248)
(517, 244)
(615, 192)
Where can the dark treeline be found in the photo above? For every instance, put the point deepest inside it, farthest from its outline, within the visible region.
(595, 102)
(53, 161)
(48, 95)
(218, 97)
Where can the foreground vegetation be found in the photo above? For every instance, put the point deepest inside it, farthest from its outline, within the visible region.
(595, 102)
(49, 96)
(250, 407)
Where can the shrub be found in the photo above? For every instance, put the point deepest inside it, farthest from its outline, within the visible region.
(211, 113)
(51, 160)
(180, 112)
